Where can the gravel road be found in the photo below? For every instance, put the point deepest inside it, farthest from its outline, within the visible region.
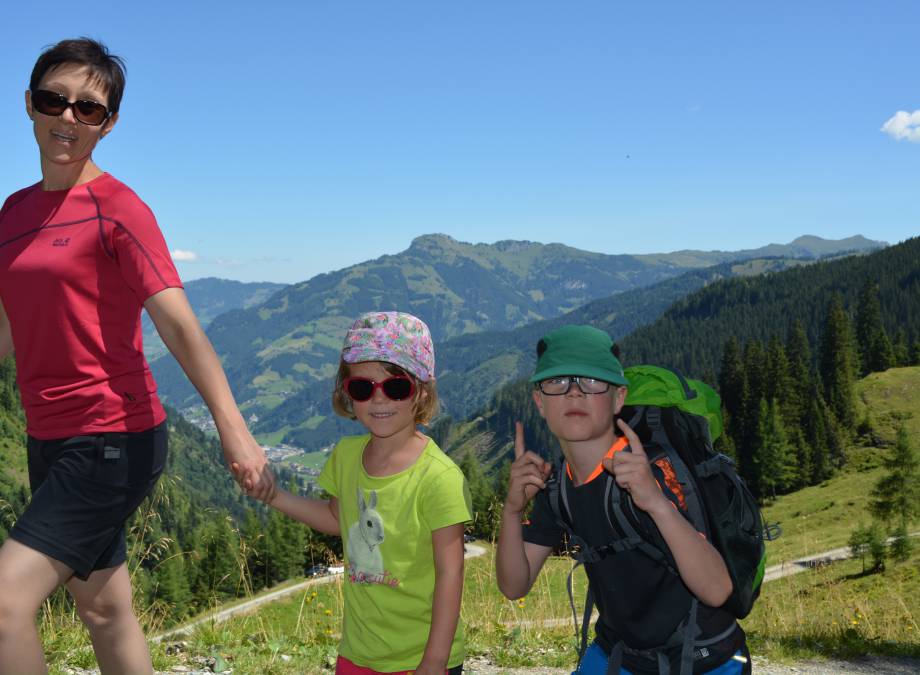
(480, 666)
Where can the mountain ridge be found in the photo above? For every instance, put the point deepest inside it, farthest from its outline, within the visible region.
(288, 343)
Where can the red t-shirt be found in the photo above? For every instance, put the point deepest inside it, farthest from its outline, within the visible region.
(75, 269)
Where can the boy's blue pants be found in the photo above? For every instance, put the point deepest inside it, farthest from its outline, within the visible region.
(594, 662)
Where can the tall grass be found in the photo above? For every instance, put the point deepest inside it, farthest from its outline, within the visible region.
(832, 611)
(838, 611)
(828, 611)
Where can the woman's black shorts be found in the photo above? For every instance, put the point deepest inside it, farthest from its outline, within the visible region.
(84, 489)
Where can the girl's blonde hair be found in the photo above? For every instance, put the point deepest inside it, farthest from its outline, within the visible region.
(425, 397)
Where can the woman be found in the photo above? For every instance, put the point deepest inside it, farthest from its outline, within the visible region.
(80, 254)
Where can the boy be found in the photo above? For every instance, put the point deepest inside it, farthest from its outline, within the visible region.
(579, 390)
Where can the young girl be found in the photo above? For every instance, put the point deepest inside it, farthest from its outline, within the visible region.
(398, 502)
(80, 254)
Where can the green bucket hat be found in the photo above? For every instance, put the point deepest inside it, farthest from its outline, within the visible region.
(578, 350)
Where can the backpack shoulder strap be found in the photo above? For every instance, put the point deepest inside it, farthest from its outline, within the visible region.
(558, 501)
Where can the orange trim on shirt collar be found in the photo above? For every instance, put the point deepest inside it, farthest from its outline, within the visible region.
(618, 445)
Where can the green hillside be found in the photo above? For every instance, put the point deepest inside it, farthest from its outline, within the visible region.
(14, 477)
(273, 351)
(209, 298)
(892, 398)
(690, 336)
(456, 287)
(473, 366)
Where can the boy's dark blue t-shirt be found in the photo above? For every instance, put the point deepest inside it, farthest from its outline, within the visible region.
(639, 601)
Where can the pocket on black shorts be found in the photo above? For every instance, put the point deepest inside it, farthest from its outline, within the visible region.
(131, 461)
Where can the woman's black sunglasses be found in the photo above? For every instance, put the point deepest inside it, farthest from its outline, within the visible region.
(88, 112)
(396, 388)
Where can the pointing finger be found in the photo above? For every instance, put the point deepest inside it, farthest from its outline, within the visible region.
(518, 440)
(634, 443)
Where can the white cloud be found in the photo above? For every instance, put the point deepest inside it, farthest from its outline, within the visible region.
(904, 126)
(183, 256)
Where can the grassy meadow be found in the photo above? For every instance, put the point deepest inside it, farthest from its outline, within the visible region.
(834, 610)
(829, 611)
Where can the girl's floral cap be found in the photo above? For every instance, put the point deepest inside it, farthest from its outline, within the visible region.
(394, 337)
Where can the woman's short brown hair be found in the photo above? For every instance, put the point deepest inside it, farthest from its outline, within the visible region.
(426, 394)
(104, 67)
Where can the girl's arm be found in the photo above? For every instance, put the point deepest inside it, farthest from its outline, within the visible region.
(182, 334)
(318, 514)
(448, 592)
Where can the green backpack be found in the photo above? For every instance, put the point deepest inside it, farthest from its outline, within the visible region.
(679, 419)
(730, 514)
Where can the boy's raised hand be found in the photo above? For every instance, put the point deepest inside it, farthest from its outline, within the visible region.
(634, 474)
(528, 474)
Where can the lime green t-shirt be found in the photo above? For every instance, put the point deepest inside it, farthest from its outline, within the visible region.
(386, 527)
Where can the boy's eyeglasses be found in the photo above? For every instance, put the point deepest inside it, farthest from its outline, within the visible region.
(396, 388)
(89, 113)
(557, 386)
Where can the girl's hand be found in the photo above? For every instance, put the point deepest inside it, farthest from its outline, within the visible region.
(528, 474)
(249, 465)
(261, 495)
(634, 474)
(430, 669)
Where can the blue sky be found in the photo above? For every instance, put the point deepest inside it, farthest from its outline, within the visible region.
(279, 140)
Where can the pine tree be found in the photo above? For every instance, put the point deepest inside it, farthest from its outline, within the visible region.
(901, 546)
(725, 444)
(776, 468)
(170, 583)
(777, 377)
(815, 432)
(218, 573)
(733, 388)
(838, 361)
(284, 548)
(480, 491)
(896, 497)
(837, 439)
(801, 456)
(875, 351)
(915, 354)
(749, 440)
(901, 351)
(798, 353)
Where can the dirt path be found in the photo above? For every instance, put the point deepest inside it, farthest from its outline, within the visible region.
(472, 550)
(866, 666)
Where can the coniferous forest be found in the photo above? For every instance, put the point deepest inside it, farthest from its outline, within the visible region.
(783, 349)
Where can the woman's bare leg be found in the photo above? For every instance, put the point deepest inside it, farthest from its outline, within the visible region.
(27, 578)
(104, 603)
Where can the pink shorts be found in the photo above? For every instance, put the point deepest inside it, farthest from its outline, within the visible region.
(345, 667)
